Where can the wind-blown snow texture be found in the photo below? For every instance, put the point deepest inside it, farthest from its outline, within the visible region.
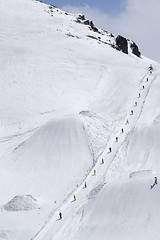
(65, 95)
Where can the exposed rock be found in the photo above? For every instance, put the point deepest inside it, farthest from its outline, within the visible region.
(81, 17)
(86, 22)
(122, 44)
(135, 49)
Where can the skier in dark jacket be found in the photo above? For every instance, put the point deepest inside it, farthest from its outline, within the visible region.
(60, 215)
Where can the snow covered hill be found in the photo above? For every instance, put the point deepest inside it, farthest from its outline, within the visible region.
(67, 94)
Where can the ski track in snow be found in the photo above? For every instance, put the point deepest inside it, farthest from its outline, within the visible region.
(93, 182)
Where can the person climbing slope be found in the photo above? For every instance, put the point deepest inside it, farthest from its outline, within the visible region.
(155, 180)
(60, 215)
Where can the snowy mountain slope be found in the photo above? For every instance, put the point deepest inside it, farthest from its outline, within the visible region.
(65, 95)
(87, 223)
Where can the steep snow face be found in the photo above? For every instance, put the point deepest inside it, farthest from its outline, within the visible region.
(52, 63)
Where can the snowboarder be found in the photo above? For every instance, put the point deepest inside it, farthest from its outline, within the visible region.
(116, 139)
(155, 180)
(85, 184)
(102, 160)
(122, 130)
(74, 197)
(131, 112)
(94, 172)
(60, 215)
(110, 150)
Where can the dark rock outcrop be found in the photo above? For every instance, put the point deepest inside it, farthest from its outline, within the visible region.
(122, 44)
(135, 49)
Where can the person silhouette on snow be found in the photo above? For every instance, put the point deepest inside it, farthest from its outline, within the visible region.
(131, 112)
(110, 149)
(85, 184)
(102, 160)
(94, 172)
(155, 180)
(74, 197)
(60, 215)
(116, 139)
(122, 130)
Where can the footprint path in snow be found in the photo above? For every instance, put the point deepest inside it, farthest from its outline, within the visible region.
(93, 181)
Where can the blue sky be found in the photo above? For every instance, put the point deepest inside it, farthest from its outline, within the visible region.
(136, 20)
(108, 6)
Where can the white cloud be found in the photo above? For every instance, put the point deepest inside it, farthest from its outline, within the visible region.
(139, 22)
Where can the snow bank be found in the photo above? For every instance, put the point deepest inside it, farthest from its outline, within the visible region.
(21, 203)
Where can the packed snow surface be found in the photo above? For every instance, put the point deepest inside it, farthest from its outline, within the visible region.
(68, 99)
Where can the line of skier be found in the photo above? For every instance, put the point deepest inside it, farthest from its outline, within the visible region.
(122, 131)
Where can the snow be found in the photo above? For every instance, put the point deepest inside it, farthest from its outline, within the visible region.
(21, 203)
(65, 95)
